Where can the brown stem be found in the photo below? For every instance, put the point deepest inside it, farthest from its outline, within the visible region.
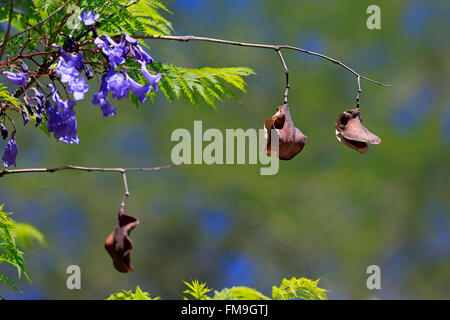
(40, 22)
(8, 28)
(286, 71)
(79, 168)
(263, 46)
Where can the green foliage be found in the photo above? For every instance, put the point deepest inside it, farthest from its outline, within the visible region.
(9, 251)
(239, 293)
(10, 234)
(6, 96)
(27, 235)
(298, 288)
(129, 295)
(294, 288)
(197, 289)
(205, 83)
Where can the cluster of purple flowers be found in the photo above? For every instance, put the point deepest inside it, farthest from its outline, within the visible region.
(60, 116)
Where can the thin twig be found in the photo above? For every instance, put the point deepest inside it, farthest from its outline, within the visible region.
(358, 94)
(40, 22)
(127, 192)
(286, 71)
(8, 28)
(258, 45)
(79, 168)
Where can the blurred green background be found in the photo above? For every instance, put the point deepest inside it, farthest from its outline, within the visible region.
(329, 213)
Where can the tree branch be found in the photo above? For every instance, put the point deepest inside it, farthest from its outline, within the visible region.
(79, 168)
(286, 71)
(8, 28)
(40, 22)
(278, 49)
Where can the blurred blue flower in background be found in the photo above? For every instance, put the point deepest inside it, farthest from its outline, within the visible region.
(412, 112)
(416, 17)
(214, 223)
(238, 270)
(446, 122)
(372, 55)
(311, 41)
(72, 230)
(190, 5)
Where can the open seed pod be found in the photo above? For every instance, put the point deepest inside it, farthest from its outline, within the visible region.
(351, 132)
(119, 244)
(290, 139)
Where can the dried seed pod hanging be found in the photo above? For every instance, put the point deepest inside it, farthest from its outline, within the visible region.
(290, 139)
(351, 132)
(119, 244)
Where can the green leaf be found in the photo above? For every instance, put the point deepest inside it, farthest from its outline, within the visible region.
(298, 288)
(129, 295)
(239, 293)
(197, 289)
(26, 235)
(207, 84)
(10, 231)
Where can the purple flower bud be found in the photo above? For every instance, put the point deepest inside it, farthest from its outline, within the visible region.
(4, 131)
(101, 98)
(139, 90)
(17, 78)
(153, 79)
(38, 119)
(78, 87)
(70, 42)
(29, 109)
(139, 54)
(25, 116)
(131, 41)
(10, 154)
(24, 67)
(88, 73)
(88, 17)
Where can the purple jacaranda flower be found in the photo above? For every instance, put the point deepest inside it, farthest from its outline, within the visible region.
(153, 79)
(138, 53)
(75, 60)
(40, 100)
(29, 109)
(118, 85)
(24, 67)
(3, 131)
(101, 98)
(139, 90)
(78, 87)
(110, 40)
(10, 154)
(38, 118)
(118, 53)
(88, 17)
(66, 70)
(25, 116)
(131, 41)
(17, 78)
(99, 42)
(62, 122)
(88, 73)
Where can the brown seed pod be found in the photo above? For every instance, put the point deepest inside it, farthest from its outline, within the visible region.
(351, 132)
(119, 244)
(290, 139)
